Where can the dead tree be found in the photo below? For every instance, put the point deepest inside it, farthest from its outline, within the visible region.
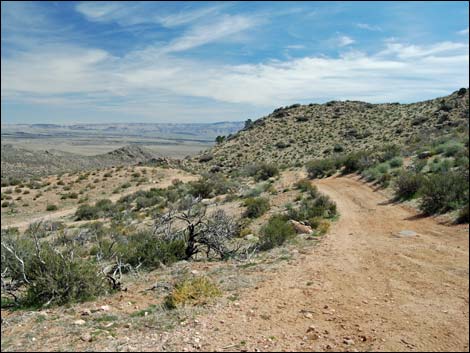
(189, 221)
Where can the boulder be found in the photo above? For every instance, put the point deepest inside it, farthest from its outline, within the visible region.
(301, 228)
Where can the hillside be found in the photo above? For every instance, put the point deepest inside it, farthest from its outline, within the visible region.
(22, 163)
(298, 133)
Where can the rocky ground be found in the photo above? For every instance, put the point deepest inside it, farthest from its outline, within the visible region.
(382, 279)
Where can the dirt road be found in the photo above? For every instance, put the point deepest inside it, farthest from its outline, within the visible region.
(362, 288)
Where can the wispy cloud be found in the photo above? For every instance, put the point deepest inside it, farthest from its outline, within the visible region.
(463, 31)
(368, 27)
(203, 34)
(163, 77)
(408, 51)
(295, 46)
(142, 12)
(345, 41)
(396, 73)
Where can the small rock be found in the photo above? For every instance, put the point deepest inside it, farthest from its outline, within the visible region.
(194, 272)
(252, 237)
(79, 322)
(406, 234)
(348, 341)
(105, 308)
(311, 328)
(308, 315)
(86, 337)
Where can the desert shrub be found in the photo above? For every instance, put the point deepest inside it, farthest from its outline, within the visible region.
(384, 179)
(388, 152)
(320, 167)
(319, 206)
(453, 149)
(206, 158)
(463, 216)
(266, 171)
(443, 192)
(256, 207)
(86, 212)
(338, 148)
(378, 173)
(147, 250)
(407, 185)
(195, 291)
(102, 208)
(260, 171)
(5, 204)
(357, 162)
(323, 227)
(441, 165)
(419, 165)
(396, 162)
(282, 144)
(48, 275)
(275, 232)
(59, 280)
(51, 207)
(211, 185)
(305, 185)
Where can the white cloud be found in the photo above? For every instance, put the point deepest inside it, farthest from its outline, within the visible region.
(368, 27)
(345, 41)
(203, 34)
(398, 73)
(140, 12)
(295, 46)
(463, 31)
(406, 51)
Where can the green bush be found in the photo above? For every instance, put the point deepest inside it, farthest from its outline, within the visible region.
(51, 207)
(102, 208)
(305, 185)
(58, 279)
(313, 206)
(396, 162)
(275, 232)
(388, 152)
(194, 291)
(146, 249)
(266, 171)
(260, 171)
(444, 192)
(50, 276)
(320, 167)
(357, 162)
(211, 185)
(256, 207)
(407, 185)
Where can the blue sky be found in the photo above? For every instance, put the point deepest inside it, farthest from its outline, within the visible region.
(68, 62)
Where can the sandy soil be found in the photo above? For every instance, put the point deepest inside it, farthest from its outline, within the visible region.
(363, 288)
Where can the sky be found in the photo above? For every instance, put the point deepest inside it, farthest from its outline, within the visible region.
(100, 62)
